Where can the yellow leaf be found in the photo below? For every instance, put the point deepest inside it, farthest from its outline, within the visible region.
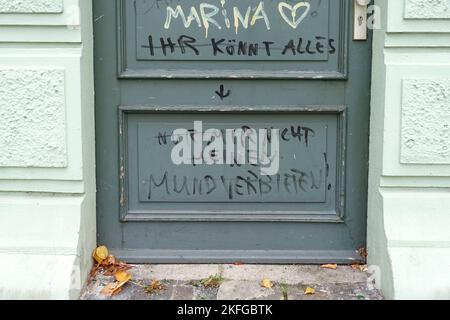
(112, 289)
(122, 276)
(329, 266)
(310, 291)
(359, 267)
(109, 261)
(100, 254)
(266, 283)
(120, 284)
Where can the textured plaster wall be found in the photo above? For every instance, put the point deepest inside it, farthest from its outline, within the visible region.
(31, 6)
(32, 118)
(426, 121)
(427, 9)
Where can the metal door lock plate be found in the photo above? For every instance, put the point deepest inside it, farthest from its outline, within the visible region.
(360, 20)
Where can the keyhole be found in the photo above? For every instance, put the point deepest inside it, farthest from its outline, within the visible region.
(360, 20)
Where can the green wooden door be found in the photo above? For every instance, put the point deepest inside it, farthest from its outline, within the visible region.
(231, 130)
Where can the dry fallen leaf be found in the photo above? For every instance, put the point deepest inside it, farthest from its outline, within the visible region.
(115, 288)
(100, 254)
(266, 283)
(238, 263)
(112, 270)
(329, 266)
(213, 281)
(112, 289)
(359, 267)
(310, 291)
(109, 261)
(109, 267)
(122, 276)
(155, 287)
(363, 253)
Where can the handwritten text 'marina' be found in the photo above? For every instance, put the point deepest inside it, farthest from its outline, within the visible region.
(209, 15)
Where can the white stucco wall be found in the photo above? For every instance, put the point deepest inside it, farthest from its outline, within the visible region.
(409, 195)
(36, 6)
(47, 185)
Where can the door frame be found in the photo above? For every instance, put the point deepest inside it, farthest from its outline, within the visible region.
(287, 256)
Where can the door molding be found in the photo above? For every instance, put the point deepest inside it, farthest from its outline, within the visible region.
(245, 256)
(125, 71)
(128, 215)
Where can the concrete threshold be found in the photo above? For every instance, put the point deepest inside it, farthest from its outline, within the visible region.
(239, 282)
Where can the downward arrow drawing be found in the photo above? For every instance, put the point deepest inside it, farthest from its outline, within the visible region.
(221, 93)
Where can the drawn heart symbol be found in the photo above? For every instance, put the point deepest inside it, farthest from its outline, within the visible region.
(293, 22)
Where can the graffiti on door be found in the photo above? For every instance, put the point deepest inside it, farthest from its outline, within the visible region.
(240, 29)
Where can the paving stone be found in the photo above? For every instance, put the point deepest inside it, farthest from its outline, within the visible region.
(202, 293)
(92, 292)
(183, 293)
